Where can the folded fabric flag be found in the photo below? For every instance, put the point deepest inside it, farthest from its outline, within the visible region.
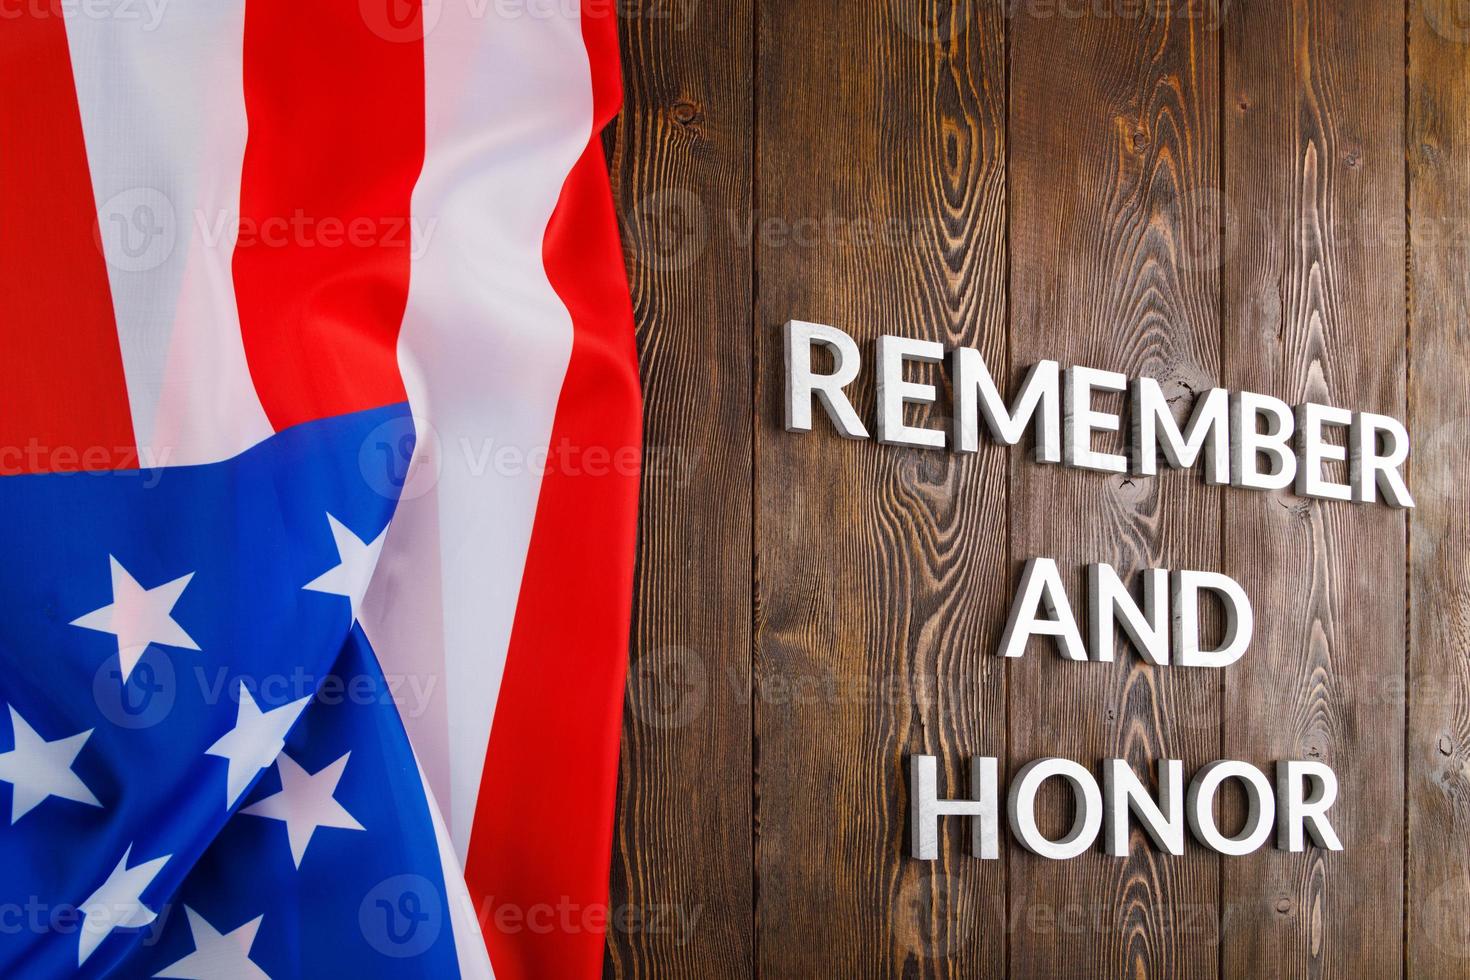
(319, 445)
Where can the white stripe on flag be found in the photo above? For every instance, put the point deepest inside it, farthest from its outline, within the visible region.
(464, 920)
(163, 113)
(484, 351)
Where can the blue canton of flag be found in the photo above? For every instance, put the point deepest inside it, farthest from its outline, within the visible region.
(203, 770)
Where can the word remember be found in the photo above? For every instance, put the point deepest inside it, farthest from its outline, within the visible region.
(1242, 439)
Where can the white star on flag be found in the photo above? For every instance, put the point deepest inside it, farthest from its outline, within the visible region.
(139, 616)
(37, 769)
(356, 560)
(306, 803)
(117, 904)
(217, 956)
(254, 742)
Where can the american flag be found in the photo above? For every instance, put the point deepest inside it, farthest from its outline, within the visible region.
(319, 440)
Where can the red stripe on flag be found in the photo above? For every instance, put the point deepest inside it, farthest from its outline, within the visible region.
(334, 95)
(542, 836)
(64, 402)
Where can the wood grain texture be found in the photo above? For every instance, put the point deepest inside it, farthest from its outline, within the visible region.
(680, 160)
(880, 571)
(1124, 185)
(1114, 160)
(1438, 901)
(1314, 312)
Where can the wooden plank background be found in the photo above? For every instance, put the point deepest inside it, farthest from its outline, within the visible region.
(1262, 194)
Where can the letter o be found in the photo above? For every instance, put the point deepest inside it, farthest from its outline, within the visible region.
(1021, 808)
(1260, 813)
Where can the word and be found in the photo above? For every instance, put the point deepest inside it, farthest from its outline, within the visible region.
(1163, 626)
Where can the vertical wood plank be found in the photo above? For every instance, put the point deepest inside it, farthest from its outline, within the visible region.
(1114, 137)
(1315, 304)
(1438, 901)
(681, 169)
(880, 570)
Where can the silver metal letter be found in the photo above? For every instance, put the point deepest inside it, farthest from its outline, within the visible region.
(1299, 817)
(1123, 792)
(1249, 442)
(801, 383)
(1240, 621)
(925, 807)
(1376, 470)
(1206, 434)
(1042, 591)
(1260, 807)
(1109, 601)
(1021, 808)
(1080, 420)
(976, 396)
(1315, 450)
(894, 392)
